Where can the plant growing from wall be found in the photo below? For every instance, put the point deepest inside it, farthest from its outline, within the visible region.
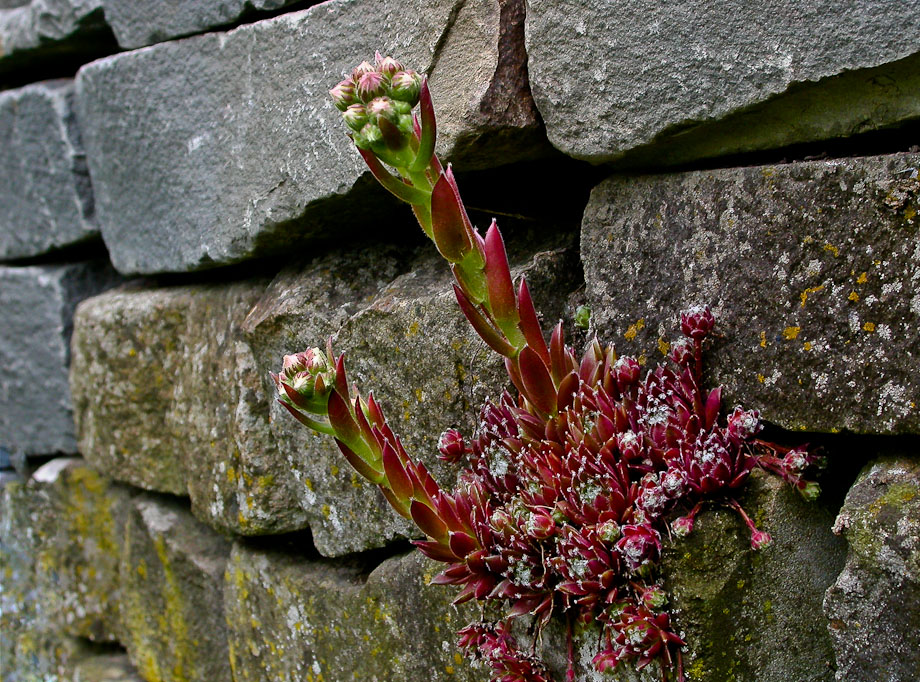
(569, 485)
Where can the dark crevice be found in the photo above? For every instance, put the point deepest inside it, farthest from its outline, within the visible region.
(90, 249)
(905, 138)
(445, 34)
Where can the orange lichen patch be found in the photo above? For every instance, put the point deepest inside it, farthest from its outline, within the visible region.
(635, 329)
(853, 296)
(790, 333)
(807, 346)
(810, 290)
(863, 278)
(869, 327)
(663, 346)
(761, 378)
(763, 339)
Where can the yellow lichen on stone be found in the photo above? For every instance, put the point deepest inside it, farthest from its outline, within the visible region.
(810, 290)
(832, 249)
(853, 296)
(763, 339)
(791, 333)
(869, 327)
(634, 329)
(663, 346)
(863, 278)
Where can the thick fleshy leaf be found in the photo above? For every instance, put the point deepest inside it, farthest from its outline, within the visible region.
(428, 130)
(391, 183)
(401, 506)
(435, 550)
(713, 403)
(558, 365)
(358, 464)
(486, 331)
(346, 428)
(449, 222)
(318, 426)
(568, 387)
(341, 378)
(498, 277)
(428, 522)
(294, 396)
(538, 384)
(530, 323)
(395, 473)
(462, 544)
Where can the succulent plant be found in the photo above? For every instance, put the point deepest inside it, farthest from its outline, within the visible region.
(571, 486)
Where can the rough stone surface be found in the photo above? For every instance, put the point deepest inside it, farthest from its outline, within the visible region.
(295, 619)
(610, 77)
(81, 529)
(256, 160)
(37, 310)
(46, 201)
(812, 270)
(413, 348)
(172, 576)
(106, 668)
(49, 29)
(143, 22)
(874, 606)
(186, 410)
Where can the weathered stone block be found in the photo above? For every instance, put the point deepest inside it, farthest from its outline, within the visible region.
(46, 201)
(414, 349)
(49, 29)
(143, 22)
(81, 530)
(812, 270)
(185, 410)
(172, 575)
(256, 160)
(702, 78)
(874, 606)
(291, 618)
(37, 310)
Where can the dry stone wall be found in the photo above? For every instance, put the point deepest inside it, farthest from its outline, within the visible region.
(179, 208)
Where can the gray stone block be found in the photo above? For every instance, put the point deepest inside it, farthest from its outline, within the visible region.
(874, 606)
(811, 269)
(46, 201)
(143, 22)
(221, 147)
(49, 29)
(172, 579)
(292, 618)
(186, 411)
(652, 83)
(37, 309)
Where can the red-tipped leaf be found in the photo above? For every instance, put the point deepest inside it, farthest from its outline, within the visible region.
(428, 129)
(498, 277)
(530, 323)
(449, 222)
(486, 331)
(428, 522)
(318, 426)
(390, 182)
(359, 465)
(538, 385)
(395, 473)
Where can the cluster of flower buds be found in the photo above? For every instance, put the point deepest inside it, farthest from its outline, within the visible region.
(376, 101)
(570, 485)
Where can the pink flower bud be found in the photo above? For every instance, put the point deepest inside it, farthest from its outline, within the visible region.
(387, 65)
(355, 116)
(654, 597)
(811, 491)
(382, 106)
(501, 520)
(361, 69)
(697, 322)
(451, 446)
(406, 86)
(629, 444)
(370, 85)
(609, 531)
(343, 94)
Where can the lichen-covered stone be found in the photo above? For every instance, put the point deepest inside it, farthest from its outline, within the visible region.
(46, 201)
(702, 78)
(413, 348)
(811, 268)
(874, 606)
(255, 160)
(756, 615)
(172, 575)
(81, 528)
(291, 618)
(143, 22)
(45, 31)
(37, 311)
(185, 410)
